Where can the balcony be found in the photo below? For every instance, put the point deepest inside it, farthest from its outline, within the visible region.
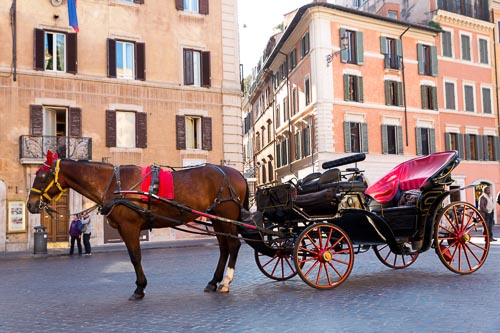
(32, 148)
(477, 10)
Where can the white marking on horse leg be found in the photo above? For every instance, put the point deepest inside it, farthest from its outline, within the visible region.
(224, 285)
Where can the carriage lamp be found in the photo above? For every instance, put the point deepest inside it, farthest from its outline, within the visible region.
(344, 45)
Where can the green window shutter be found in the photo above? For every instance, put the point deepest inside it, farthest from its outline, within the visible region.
(434, 61)
(497, 148)
(460, 146)
(486, 148)
(432, 138)
(347, 136)
(344, 52)
(434, 93)
(360, 52)
(468, 154)
(399, 48)
(385, 143)
(423, 90)
(359, 82)
(387, 86)
(383, 45)
(479, 147)
(346, 87)
(420, 51)
(364, 137)
(399, 135)
(400, 93)
(418, 140)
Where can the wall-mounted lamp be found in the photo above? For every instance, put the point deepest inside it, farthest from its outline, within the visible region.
(344, 45)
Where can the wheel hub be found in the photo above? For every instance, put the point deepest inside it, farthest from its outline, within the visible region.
(325, 256)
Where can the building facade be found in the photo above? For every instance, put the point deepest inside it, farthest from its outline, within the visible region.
(163, 88)
(348, 81)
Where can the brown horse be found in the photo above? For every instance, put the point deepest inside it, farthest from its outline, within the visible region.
(219, 190)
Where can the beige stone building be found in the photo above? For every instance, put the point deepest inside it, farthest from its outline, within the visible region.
(142, 82)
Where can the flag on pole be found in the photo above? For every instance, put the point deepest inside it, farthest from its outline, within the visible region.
(73, 19)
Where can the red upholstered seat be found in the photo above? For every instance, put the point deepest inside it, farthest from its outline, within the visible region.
(409, 175)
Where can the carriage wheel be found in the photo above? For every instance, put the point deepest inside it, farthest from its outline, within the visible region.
(279, 267)
(393, 260)
(461, 238)
(323, 255)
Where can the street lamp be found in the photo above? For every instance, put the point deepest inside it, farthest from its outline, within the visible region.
(344, 45)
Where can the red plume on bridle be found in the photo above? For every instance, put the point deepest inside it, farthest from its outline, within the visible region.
(48, 162)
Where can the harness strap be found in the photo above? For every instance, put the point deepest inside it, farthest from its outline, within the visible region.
(234, 197)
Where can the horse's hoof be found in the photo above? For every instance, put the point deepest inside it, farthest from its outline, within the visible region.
(136, 297)
(223, 289)
(210, 288)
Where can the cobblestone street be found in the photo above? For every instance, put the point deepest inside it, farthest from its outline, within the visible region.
(89, 294)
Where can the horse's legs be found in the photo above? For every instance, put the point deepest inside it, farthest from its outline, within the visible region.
(234, 247)
(131, 239)
(219, 271)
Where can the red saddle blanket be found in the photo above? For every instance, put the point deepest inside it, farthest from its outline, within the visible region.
(165, 183)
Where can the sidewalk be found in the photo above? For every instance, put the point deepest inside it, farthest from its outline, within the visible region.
(63, 251)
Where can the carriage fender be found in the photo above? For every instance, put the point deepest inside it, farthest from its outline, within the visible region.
(353, 219)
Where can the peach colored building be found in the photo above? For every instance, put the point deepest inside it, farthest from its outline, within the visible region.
(142, 82)
(348, 81)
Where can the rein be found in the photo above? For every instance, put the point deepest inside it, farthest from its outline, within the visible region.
(43, 192)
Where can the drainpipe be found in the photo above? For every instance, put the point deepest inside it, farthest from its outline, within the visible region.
(404, 85)
(496, 71)
(14, 38)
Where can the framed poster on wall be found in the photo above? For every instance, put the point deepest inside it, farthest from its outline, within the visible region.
(16, 216)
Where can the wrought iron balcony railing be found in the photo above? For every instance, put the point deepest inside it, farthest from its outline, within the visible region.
(35, 147)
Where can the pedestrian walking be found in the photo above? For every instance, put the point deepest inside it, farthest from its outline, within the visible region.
(486, 207)
(75, 234)
(87, 232)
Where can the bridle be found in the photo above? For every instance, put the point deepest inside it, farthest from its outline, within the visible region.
(43, 191)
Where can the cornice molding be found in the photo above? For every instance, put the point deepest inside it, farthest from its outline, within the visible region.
(443, 16)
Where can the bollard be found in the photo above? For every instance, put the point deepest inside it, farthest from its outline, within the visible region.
(40, 243)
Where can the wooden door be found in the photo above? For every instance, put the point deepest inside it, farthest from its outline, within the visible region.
(57, 224)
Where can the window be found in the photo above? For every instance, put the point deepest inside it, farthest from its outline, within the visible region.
(446, 44)
(429, 97)
(306, 139)
(278, 116)
(449, 90)
(391, 49)
(426, 140)
(292, 59)
(392, 14)
(296, 144)
(294, 101)
(269, 130)
(126, 59)
(270, 170)
(484, 57)
(392, 139)
(278, 155)
(486, 95)
(465, 47)
(264, 173)
(307, 90)
(282, 151)
(257, 141)
(491, 148)
(194, 132)
(196, 68)
(193, 6)
(355, 137)
(55, 51)
(126, 129)
(427, 60)
(354, 52)
(454, 141)
(393, 93)
(353, 88)
(473, 146)
(469, 98)
(285, 109)
(304, 45)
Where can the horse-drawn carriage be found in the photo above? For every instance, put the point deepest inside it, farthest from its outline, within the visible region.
(312, 227)
(326, 218)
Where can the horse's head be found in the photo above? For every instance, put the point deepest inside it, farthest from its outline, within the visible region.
(46, 185)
